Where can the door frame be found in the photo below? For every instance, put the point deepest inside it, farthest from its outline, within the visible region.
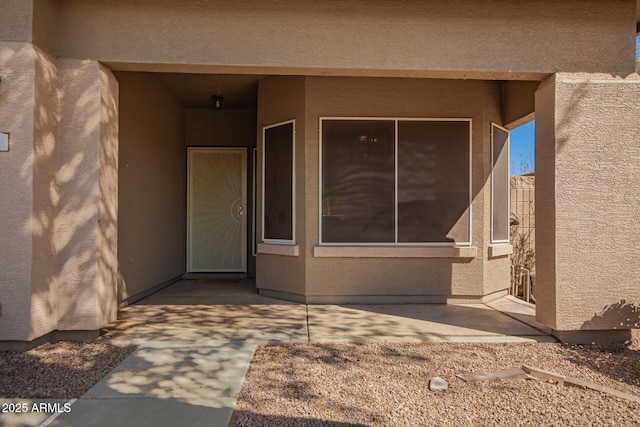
(244, 233)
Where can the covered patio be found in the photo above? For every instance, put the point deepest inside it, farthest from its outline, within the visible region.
(207, 311)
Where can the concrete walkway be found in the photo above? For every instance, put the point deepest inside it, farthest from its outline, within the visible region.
(197, 339)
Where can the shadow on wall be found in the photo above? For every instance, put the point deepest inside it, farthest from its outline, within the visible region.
(584, 195)
(623, 314)
(26, 234)
(87, 182)
(73, 218)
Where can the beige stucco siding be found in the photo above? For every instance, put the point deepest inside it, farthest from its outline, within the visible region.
(45, 24)
(222, 128)
(545, 236)
(87, 206)
(17, 103)
(281, 99)
(59, 274)
(45, 196)
(460, 39)
(588, 175)
(350, 97)
(31, 21)
(16, 21)
(107, 234)
(152, 185)
(518, 102)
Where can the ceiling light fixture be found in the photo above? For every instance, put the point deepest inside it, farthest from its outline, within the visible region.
(216, 102)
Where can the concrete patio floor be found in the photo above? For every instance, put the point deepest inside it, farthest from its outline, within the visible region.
(205, 311)
(197, 338)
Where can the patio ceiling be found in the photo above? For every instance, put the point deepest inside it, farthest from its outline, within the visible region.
(195, 90)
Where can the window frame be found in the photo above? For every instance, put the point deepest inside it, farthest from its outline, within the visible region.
(508, 143)
(254, 207)
(291, 241)
(396, 120)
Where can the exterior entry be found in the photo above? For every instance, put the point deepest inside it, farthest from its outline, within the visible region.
(216, 210)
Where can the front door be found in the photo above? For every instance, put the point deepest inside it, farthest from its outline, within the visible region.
(216, 211)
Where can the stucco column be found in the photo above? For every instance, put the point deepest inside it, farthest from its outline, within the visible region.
(86, 297)
(28, 192)
(58, 196)
(588, 206)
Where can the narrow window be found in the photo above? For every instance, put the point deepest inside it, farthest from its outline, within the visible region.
(254, 163)
(278, 222)
(499, 184)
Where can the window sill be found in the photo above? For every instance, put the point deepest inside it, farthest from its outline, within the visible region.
(500, 249)
(394, 252)
(283, 250)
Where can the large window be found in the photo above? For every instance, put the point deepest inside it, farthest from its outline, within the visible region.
(395, 181)
(278, 183)
(499, 184)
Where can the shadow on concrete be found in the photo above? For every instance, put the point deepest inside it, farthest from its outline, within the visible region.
(197, 312)
(142, 413)
(205, 376)
(200, 311)
(416, 323)
(167, 386)
(199, 324)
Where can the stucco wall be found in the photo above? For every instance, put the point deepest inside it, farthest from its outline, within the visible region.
(224, 128)
(16, 21)
(30, 21)
(480, 39)
(281, 99)
(107, 234)
(546, 208)
(45, 25)
(87, 205)
(152, 185)
(28, 269)
(17, 105)
(518, 102)
(56, 272)
(45, 196)
(227, 128)
(350, 97)
(587, 180)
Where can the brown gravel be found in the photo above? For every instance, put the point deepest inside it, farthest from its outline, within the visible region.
(62, 370)
(386, 384)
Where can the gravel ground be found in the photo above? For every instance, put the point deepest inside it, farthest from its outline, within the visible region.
(386, 384)
(63, 370)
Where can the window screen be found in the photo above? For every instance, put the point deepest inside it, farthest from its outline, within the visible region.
(278, 182)
(499, 184)
(366, 198)
(433, 181)
(358, 181)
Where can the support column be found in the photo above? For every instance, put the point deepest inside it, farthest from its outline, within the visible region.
(28, 193)
(58, 197)
(588, 206)
(86, 296)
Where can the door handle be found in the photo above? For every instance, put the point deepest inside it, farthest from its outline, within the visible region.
(241, 210)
